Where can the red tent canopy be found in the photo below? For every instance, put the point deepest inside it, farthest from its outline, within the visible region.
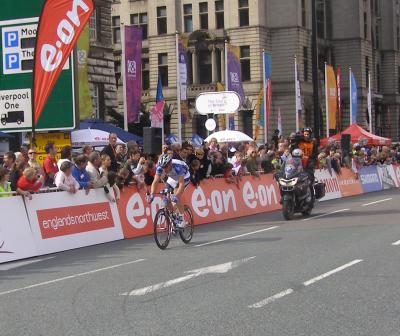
(359, 135)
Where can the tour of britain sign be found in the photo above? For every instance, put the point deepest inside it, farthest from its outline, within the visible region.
(18, 28)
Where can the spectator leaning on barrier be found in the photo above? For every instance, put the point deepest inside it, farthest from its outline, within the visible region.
(66, 155)
(16, 173)
(5, 185)
(135, 166)
(93, 168)
(205, 163)
(80, 174)
(105, 163)
(29, 182)
(111, 189)
(120, 155)
(50, 164)
(64, 179)
(110, 151)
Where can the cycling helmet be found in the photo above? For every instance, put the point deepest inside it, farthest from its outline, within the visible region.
(297, 153)
(307, 129)
(164, 160)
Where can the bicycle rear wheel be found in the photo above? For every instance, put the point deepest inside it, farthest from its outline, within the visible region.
(162, 229)
(187, 233)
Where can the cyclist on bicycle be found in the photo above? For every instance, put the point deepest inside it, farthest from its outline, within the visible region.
(177, 178)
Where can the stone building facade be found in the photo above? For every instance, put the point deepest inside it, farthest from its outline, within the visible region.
(100, 61)
(363, 34)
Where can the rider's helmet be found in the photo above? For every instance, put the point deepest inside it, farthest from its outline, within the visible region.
(297, 153)
(308, 130)
(164, 160)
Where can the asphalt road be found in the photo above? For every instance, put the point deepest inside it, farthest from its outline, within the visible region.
(335, 274)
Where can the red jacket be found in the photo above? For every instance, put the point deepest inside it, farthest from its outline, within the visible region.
(27, 185)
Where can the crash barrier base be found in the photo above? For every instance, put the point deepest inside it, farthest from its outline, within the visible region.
(59, 221)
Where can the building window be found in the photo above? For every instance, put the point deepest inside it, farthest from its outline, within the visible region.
(161, 20)
(98, 100)
(140, 20)
(117, 70)
(219, 14)
(245, 63)
(243, 13)
(377, 36)
(187, 18)
(145, 74)
(93, 26)
(163, 68)
(398, 36)
(378, 77)
(116, 28)
(305, 63)
(321, 19)
(366, 68)
(303, 13)
(205, 67)
(203, 9)
(365, 25)
(398, 79)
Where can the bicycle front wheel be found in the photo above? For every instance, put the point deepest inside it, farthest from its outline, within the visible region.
(162, 229)
(187, 233)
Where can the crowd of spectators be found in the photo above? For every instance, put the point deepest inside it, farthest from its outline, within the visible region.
(117, 165)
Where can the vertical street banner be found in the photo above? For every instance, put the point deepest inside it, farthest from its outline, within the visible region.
(234, 78)
(60, 25)
(280, 128)
(299, 105)
(339, 99)
(267, 94)
(259, 110)
(133, 72)
(353, 101)
(235, 72)
(157, 113)
(331, 98)
(183, 77)
(369, 103)
(85, 98)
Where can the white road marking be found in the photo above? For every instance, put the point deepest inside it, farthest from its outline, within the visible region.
(239, 236)
(271, 299)
(69, 277)
(336, 270)
(326, 214)
(397, 243)
(216, 269)
(376, 202)
(12, 265)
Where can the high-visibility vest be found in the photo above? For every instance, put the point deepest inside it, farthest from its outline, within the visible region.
(5, 188)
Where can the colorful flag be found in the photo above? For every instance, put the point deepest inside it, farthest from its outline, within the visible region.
(353, 102)
(259, 107)
(183, 61)
(280, 122)
(133, 72)
(157, 113)
(339, 99)
(331, 98)
(60, 25)
(265, 117)
(299, 104)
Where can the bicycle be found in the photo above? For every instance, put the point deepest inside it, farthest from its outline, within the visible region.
(164, 223)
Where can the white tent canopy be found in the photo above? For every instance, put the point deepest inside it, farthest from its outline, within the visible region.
(229, 136)
(91, 137)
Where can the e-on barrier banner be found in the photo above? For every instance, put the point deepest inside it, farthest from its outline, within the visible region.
(18, 27)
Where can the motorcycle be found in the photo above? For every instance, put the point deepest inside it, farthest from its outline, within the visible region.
(297, 192)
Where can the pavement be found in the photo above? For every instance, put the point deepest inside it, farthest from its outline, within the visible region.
(336, 273)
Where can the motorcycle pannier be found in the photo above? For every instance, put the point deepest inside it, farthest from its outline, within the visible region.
(319, 190)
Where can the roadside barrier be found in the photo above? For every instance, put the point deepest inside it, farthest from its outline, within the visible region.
(58, 221)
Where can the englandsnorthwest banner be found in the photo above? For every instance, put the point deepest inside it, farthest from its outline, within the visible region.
(331, 98)
(299, 104)
(85, 97)
(353, 95)
(59, 28)
(133, 72)
(339, 97)
(157, 113)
